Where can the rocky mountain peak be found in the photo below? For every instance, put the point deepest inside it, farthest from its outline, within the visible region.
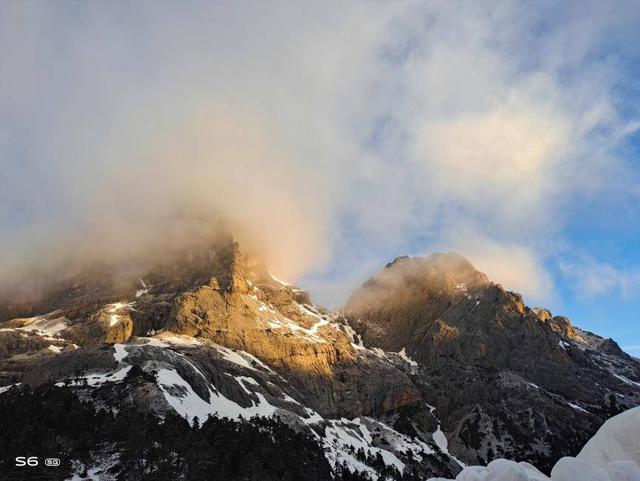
(487, 351)
(212, 331)
(428, 358)
(418, 276)
(406, 302)
(450, 265)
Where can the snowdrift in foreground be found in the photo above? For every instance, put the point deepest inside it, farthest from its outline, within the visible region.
(613, 454)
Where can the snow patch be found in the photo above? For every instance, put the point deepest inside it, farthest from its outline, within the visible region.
(97, 379)
(120, 352)
(143, 291)
(241, 358)
(356, 340)
(441, 440)
(167, 339)
(99, 471)
(187, 403)
(576, 407)
(403, 355)
(612, 454)
(113, 310)
(341, 434)
(626, 380)
(6, 388)
(281, 282)
(45, 327)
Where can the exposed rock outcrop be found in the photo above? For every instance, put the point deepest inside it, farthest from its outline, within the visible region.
(218, 329)
(429, 358)
(506, 380)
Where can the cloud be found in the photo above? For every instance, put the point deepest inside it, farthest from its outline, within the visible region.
(330, 136)
(594, 278)
(494, 163)
(141, 135)
(516, 267)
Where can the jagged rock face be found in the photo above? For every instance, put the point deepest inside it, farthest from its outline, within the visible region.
(182, 322)
(221, 296)
(214, 332)
(442, 307)
(506, 380)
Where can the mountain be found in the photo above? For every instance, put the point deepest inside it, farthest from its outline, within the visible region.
(506, 380)
(611, 455)
(213, 333)
(429, 366)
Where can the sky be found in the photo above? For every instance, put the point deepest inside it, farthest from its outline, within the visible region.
(331, 137)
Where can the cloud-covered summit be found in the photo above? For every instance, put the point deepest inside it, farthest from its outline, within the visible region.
(334, 136)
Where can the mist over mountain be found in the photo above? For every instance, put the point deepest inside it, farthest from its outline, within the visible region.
(431, 366)
(351, 241)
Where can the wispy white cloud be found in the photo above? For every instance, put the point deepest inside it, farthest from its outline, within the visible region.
(592, 278)
(516, 267)
(328, 133)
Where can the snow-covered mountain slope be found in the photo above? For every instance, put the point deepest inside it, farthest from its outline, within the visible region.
(415, 379)
(228, 341)
(613, 454)
(198, 378)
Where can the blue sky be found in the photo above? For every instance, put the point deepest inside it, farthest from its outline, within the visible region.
(332, 137)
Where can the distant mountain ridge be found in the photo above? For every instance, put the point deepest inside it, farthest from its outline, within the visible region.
(429, 365)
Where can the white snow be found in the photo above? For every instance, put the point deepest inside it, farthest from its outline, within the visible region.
(167, 339)
(143, 291)
(313, 330)
(98, 379)
(6, 388)
(353, 335)
(340, 434)
(281, 282)
(113, 310)
(234, 357)
(181, 396)
(46, 327)
(576, 407)
(500, 470)
(618, 439)
(288, 398)
(441, 440)
(314, 417)
(99, 471)
(627, 381)
(54, 348)
(242, 358)
(613, 454)
(248, 380)
(310, 333)
(563, 344)
(403, 355)
(120, 352)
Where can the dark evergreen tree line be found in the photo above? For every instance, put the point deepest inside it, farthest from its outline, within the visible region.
(52, 422)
